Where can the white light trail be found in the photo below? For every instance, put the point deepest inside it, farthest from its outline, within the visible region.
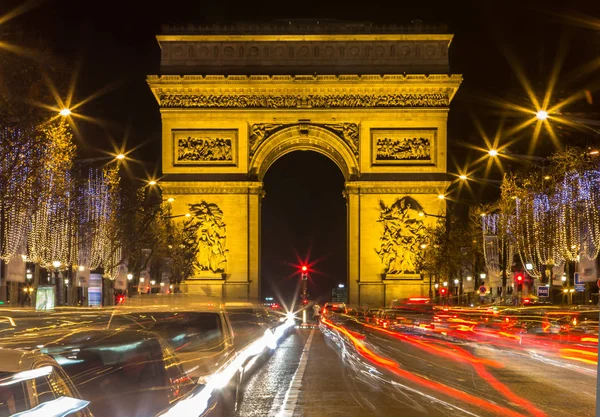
(197, 404)
(60, 407)
(26, 375)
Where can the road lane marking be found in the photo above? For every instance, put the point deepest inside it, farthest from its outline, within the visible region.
(291, 396)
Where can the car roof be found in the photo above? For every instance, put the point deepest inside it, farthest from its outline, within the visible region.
(176, 302)
(17, 360)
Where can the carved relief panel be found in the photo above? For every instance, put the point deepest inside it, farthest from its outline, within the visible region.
(402, 233)
(205, 147)
(211, 235)
(403, 146)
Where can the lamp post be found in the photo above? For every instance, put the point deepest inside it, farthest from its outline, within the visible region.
(457, 290)
(129, 280)
(56, 282)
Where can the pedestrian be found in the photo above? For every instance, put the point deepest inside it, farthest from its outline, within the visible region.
(316, 312)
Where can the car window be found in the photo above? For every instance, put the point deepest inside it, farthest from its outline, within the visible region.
(51, 387)
(183, 331)
(13, 397)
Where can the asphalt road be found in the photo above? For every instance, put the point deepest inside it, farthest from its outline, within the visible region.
(347, 369)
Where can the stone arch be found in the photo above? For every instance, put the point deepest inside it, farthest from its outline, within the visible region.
(304, 137)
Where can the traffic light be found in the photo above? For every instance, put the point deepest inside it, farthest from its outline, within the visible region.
(304, 268)
(519, 280)
(305, 301)
(443, 291)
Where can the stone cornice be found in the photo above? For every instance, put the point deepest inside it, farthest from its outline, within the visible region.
(209, 187)
(396, 187)
(304, 37)
(174, 81)
(311, 91)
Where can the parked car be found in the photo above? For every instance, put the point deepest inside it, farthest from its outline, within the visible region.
(30, 380)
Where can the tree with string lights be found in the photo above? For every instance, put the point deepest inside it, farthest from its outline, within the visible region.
(554, 215)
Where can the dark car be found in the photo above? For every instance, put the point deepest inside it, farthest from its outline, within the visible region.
(202, 340)
(122, 373)
(30, 380)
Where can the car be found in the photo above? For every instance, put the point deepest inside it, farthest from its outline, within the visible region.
(121, 372)
(249, 322)
(339, 308)
(33, 382)
(202, 339)
(370, 315)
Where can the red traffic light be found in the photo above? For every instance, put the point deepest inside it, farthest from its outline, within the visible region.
(443, 291)
(305, 302)
(304, 268)
(519, 279)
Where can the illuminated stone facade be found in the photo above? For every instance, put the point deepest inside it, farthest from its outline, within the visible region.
(386, 133)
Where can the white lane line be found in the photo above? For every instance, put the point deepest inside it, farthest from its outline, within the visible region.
(291, 396)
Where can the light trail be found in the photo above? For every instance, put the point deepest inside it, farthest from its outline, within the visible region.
(467, 398)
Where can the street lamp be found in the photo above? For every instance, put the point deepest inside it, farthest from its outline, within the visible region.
(120, 157)
(129, 277)
(493, 152)
(541, 115)
(152, 182)
(65, 112)
(463, 177)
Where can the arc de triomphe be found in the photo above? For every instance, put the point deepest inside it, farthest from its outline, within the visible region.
(375, 100)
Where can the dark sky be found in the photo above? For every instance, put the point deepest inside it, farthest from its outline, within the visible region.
(111, 47)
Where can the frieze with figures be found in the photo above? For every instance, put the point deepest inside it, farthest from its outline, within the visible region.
(402, 234)
(403, 146)
(259, 132)
(205, 147)
(304, 101)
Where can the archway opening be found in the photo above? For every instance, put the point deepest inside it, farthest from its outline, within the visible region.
(303, 219)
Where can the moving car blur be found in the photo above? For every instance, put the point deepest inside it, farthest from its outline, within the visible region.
(138, 359)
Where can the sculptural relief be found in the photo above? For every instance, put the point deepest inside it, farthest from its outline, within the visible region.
(403, 146)
(260, 132)
(204, 147)
(212, 234)
(402, 233)
(284, 101)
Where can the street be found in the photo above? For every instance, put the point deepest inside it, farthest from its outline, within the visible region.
(347, 369)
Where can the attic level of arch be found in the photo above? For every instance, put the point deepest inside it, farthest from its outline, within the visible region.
(305, 54)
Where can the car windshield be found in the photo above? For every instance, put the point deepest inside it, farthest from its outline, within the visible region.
(14, 397)
(183, 331)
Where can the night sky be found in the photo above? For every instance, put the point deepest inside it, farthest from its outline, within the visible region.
(111, 46)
